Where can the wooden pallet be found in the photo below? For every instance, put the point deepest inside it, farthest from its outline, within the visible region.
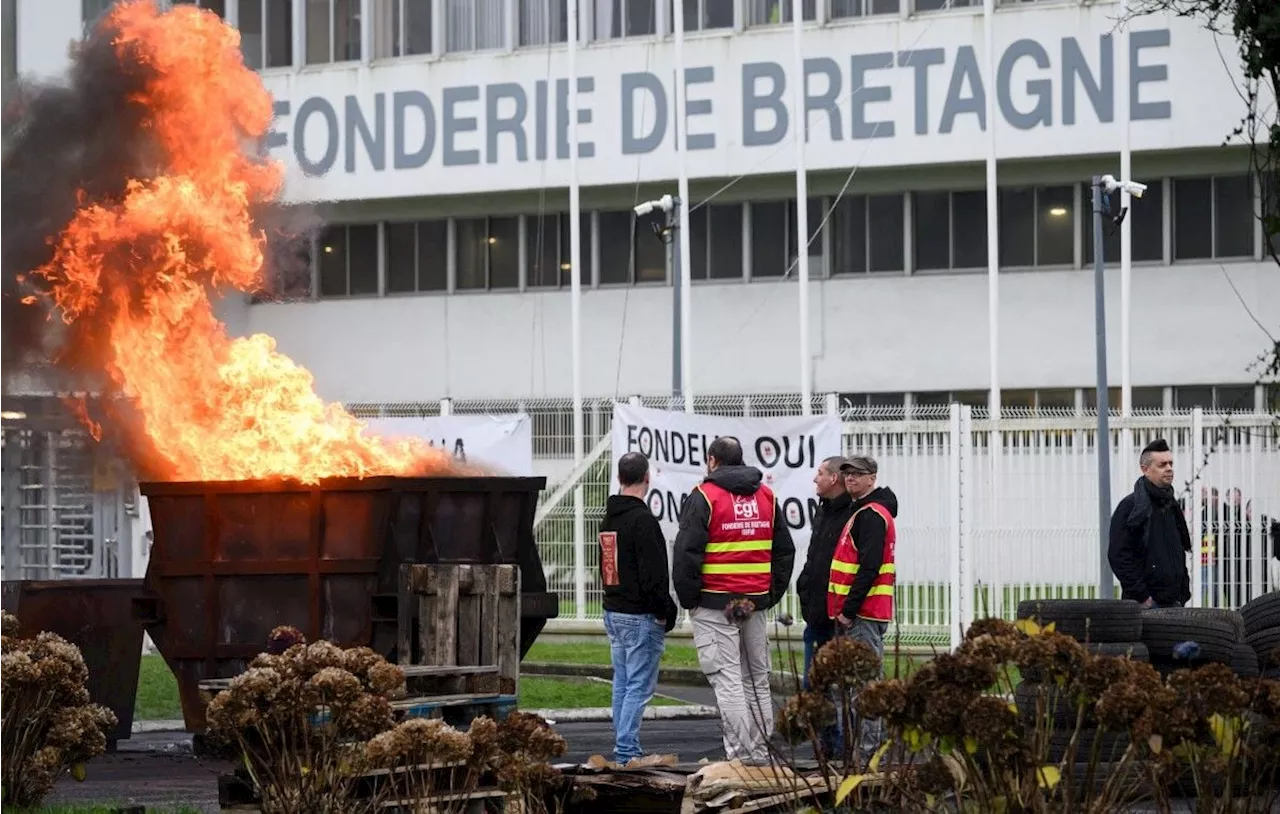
(459, 629)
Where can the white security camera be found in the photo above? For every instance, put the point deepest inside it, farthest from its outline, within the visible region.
(1110, 184)
(666, 203)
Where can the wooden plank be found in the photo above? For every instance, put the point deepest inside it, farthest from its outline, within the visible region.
(445, 700)
(406, 618)
(508, 630)
(415, 670)
(469, 608)
(489, 644)
(437, 617)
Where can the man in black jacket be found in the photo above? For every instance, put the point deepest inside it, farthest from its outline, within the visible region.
(834, 509)
(638, 609)
(734, 552)
(1149, 539)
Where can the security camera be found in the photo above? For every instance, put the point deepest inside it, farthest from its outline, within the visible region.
(643, 209)
(666, 203)
(1110, 184)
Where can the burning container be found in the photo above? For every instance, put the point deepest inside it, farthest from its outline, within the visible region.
(96, 616)
(232, 560)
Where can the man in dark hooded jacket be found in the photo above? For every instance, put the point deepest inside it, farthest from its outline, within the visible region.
(732, 562)
(1149, 539)
(835, 506)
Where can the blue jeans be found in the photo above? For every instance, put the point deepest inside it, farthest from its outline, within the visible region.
(636, 643)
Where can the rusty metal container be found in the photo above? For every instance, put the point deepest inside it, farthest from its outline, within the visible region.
(96, 615)
(232, 560)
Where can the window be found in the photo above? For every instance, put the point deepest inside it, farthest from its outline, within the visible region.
(10, 46)
(349, 260)
(544, 21)
(703, 15)
(417, 256)
(1146, 399)
(943, 5)
(1146, 230)
(548, 250)
(333, 31)
(1037, 226)
(475, 25)
(774, 237)
(1189, 398)
(1271, 211)
(218, 7)
(715, 242)
(841, 9)
(625, 18)
(401, 28)
(629, 250)
(1057, 400)
(775, 12)
(949, 230)
(266, 33)
(1233, 398)
(867, 234)
(1213, 217)
(487, 253)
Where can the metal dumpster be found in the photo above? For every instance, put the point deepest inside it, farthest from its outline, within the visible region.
(96, 615)
(232, 560)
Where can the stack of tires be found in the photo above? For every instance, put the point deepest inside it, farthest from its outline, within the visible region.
(1261, 621)
(1180, 638)
(1105, 627)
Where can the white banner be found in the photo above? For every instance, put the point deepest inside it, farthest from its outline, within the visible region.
(787, 450)
(500, 442)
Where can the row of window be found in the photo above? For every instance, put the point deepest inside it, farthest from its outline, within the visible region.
(332, 29)
(1182, 219)
(1219, 398)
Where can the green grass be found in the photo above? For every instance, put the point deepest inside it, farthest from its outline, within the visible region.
(158, 692)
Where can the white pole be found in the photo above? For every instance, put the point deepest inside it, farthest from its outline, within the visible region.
(993, 219)
(1126, 244)
(575, 297)
(686, 274)
(800, 121)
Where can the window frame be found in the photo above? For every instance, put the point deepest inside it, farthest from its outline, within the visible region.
(379, 287)
(1074, 214)
(264, 44)
(400, 29)
(1257, 246)
(518, 9)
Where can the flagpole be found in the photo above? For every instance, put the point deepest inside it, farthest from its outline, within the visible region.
(575, 329)
(682, 147)
(800, 122)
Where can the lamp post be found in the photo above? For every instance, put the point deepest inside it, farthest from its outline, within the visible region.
(1102, 186)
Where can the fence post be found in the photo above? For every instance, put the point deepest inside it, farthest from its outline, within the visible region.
(833, 404)
(954, 542)
(1197, 512)
(968, 480)
(446, 406)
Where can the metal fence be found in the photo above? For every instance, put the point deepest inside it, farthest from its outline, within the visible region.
(993, 512)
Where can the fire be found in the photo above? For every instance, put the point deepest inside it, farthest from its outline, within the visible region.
(137, 272)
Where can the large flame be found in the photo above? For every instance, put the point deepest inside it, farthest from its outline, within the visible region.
(139, 269)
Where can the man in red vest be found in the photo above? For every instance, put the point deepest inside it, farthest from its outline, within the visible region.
(864, 569)
(734, 544)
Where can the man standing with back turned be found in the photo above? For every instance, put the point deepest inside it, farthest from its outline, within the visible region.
(638, 609)
(1149, 537)
(734, 548)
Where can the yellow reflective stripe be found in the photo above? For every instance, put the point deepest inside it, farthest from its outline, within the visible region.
(880, 590)
(836, 588)
(737, 568)
(844, 567)
(745, 545)
(888, 568)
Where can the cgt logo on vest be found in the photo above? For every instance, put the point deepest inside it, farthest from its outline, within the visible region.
(745, 507)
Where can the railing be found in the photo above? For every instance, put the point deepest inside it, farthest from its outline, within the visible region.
(993, 512)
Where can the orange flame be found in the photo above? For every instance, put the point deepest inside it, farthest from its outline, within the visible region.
(138, 270)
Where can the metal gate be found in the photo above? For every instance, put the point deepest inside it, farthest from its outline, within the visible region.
(65, 507)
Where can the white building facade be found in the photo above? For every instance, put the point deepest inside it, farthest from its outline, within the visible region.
(434, 141)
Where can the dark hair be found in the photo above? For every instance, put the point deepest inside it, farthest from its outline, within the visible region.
(632, 467)
(1158, 445)
(726, 450)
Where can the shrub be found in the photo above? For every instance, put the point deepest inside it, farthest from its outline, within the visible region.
(49, 725)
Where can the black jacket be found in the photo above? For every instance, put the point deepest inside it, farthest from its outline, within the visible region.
(691, 543)
(640, 561)
(1148, 545)
(868, 531)
(811, 586)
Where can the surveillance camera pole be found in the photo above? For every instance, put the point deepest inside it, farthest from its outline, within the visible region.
(1106, 580)
(677, 339)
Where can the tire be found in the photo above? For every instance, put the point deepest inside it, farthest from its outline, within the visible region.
(1244, 661)
(1136, 651)
(1230, 617)
(1265, 644)
(1163, 629)
(1087, 620)
(1261, 613)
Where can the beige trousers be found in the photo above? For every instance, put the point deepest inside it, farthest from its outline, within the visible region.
(735, 659)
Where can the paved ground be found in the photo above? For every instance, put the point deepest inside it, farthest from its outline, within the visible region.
(158, 768)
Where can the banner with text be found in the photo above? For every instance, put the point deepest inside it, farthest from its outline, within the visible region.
(787, 450)
(500, 442)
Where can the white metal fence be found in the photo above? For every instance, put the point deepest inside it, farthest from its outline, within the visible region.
(992, 512)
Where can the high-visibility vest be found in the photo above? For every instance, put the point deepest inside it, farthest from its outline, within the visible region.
(1206, 549)
(878, 605)
(739, 553)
